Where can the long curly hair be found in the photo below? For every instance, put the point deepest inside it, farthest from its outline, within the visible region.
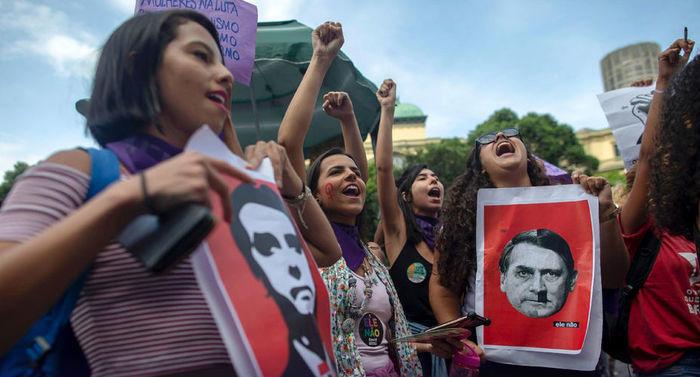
(675, 165)
(456, 239)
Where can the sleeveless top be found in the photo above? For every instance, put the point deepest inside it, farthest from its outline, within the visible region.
(411, 276)
(347, 355)
(371, 328)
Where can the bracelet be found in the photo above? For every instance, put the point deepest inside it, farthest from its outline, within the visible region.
(656, 91)
(611, 215)
(147, 200)
(299, 203)
(298, 198)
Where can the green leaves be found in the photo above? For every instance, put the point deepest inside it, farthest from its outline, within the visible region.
(548, 139)
(10, 177)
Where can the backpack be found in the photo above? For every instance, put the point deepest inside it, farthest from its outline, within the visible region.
(49, 348)
(615, 325)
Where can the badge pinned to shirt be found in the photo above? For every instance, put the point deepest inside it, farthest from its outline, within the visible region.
(416, 272)
(371, 330)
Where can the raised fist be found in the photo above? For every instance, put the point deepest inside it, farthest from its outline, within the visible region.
(386, 95)
(337, 105)
(327, 39)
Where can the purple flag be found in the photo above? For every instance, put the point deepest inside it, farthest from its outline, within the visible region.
(556, 174)
(235, 20)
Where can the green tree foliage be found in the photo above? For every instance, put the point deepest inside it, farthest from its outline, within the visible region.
(9, 178)
(370, 217)
(446, 158)
(547, 138)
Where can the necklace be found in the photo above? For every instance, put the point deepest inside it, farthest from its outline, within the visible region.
(353, 312)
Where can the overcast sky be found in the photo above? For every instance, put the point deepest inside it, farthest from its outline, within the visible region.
(457, 60)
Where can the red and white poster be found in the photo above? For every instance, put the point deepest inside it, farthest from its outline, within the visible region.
(538, 276)
(260, 280)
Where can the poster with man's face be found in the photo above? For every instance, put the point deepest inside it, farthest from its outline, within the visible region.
(626, 110)
(261, 282)
(536, 266)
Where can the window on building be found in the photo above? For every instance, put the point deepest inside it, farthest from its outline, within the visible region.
(616, 150)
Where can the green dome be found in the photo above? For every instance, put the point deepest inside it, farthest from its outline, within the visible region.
(407, 110)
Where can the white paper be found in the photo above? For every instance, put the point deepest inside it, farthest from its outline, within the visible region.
(626, 110)
(587, 358)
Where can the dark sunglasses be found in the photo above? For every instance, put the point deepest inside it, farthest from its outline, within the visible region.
(491, 136)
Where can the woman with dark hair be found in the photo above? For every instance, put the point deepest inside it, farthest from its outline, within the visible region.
(664, 324)
(365, 310)
(160, 77)
(409, 208)
(500, 159)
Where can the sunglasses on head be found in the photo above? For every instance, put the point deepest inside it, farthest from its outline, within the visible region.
(491, 136)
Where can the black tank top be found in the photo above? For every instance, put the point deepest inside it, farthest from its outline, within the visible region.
(411, 274)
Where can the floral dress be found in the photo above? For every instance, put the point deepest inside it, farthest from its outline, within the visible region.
(341, 295)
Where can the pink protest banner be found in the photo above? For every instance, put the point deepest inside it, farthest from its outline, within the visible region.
(235, 20)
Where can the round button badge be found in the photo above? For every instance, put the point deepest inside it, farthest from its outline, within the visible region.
(416, 272)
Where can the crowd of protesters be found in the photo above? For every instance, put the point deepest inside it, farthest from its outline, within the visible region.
(160, 76)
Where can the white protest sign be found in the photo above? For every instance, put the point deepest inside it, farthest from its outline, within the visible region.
(538, 276)
(626, 110)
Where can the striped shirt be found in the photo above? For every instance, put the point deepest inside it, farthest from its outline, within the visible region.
(127, 321)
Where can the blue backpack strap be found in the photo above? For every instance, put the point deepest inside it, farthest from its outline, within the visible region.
(104, 170)
(50, 331)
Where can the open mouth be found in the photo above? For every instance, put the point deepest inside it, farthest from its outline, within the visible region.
(434, 193)
(218, 97)
(503, 148)
(351, 190)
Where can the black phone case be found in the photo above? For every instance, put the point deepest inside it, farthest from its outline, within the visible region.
(161, 242)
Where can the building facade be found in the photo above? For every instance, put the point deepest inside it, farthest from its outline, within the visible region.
(601, 145)
(408, 133)
(628, 64)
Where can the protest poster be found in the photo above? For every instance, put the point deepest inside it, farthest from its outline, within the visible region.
(260, 280)
(236, 21)
(538, 276)
(626, 110)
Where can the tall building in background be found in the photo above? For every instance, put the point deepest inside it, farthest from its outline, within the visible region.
(628, 64)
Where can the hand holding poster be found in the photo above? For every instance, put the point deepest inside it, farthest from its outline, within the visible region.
(236, 22)
(626, 110)
(260, 281)
(538, 276)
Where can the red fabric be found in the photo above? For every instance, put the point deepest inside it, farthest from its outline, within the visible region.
(665, 316)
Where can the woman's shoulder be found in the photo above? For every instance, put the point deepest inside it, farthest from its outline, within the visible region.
(77, 159)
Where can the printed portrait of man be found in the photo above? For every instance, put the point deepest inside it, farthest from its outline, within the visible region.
(537, 272)
(266, 236)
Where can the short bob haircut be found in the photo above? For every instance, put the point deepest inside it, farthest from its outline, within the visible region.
(125, 97)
